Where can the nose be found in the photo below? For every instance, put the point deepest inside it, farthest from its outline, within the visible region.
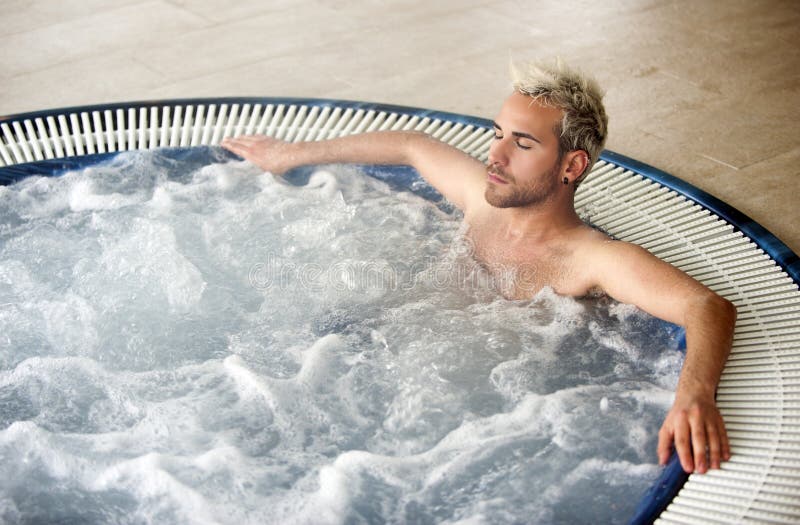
(497, 152)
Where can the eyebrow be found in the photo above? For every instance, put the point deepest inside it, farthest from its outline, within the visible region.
(518, 134)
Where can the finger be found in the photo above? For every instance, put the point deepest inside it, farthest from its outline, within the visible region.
(699, 440)
(714, 446)
(682, 442)
(244, 141)
(241, 138)
(229, 142)
(236, 146)
(664, 443)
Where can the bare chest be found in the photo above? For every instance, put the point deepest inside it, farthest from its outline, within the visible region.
(521, 270)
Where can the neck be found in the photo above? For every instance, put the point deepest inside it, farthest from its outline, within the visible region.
(538, 222)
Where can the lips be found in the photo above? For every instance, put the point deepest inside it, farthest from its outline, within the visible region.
(495, 174)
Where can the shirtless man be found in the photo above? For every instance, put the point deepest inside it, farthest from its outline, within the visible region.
(520, 212)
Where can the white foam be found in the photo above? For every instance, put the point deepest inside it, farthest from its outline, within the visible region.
(325, 183)
(331, 502)
(83, 197)
(161, 200)
(249, 383)
(25, 445)
(162, 496)
(70, 324)
(318, 362)
(148, 256)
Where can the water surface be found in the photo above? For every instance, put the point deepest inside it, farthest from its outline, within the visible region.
(200, 342)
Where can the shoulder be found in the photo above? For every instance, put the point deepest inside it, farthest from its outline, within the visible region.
(599, 247)
(606, 261)
(588, 243)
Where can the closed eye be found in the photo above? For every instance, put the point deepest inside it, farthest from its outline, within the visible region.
(518, 135)
(497, 136)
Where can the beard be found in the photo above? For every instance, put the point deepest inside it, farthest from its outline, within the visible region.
(511, 195)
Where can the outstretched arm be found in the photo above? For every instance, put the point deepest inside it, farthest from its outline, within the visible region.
(457, 176)
(631, 274)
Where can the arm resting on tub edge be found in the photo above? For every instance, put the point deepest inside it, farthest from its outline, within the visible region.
(452, 172)
(631, 274)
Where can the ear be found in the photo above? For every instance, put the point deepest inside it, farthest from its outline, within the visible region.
(576, 163)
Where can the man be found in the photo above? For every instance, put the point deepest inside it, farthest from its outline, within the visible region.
(520, 213)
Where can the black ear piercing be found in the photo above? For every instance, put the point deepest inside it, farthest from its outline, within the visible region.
(566, 181)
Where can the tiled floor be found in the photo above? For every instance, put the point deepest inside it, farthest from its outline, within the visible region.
(706, 90)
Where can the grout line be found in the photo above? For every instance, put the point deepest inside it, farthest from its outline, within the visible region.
(162, 78)
(719, 161)
(185, 9)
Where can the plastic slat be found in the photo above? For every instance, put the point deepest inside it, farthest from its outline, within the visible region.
(55, 138)
(5, 155)
(295, 125)
(163, 132)
(261, 128)
(197, 128)
(241, 123)
(327, 130)
(401, 123)
(40, 140)
(99, 136)
(120, 114)
(175, 128)
(364, 123)
(314, 122)
(16, 155)
(22, 142)
(187, 127)
(377, 122)
(253, 122)
(208, 125)
(33, 140)
(226, 126)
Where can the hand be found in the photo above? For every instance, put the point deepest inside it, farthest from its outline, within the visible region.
(694, 424)
(272, 155)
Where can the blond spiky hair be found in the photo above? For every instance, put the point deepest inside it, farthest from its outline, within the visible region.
(584, 125)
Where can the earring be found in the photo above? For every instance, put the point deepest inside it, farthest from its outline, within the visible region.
(566, 181)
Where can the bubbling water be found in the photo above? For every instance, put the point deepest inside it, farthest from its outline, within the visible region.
(201, 342)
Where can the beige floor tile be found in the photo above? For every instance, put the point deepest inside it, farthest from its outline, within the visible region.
(20, 16)
(78, 83)
(737, 132)
(272, 77)
(647, 96)
(365, 13)
(129, 27)
(460, 86)
(296, 31)
(767, 192)
(400, 14)
(733, 20)
(219, 12)
(449, 64)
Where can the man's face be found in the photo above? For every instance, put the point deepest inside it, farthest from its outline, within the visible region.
(523, 168)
